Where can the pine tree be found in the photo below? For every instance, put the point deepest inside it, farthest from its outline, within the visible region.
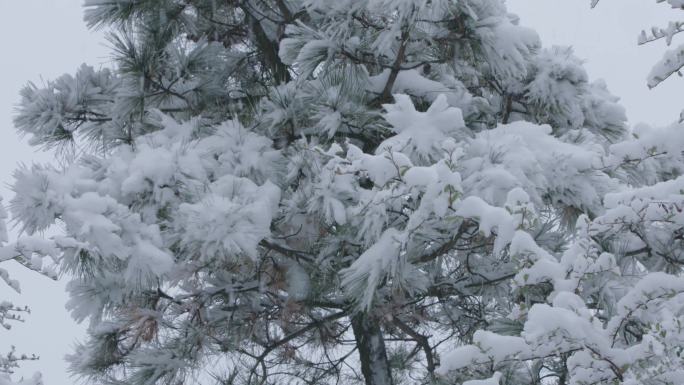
(357, 191)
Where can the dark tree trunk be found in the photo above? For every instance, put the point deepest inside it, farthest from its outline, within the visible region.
(372, 353)
(269, 50)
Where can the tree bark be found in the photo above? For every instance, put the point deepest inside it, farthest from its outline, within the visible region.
(371, 346)
(269, 50)
(386, 95)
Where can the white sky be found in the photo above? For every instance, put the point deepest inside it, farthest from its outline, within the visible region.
(43, 39)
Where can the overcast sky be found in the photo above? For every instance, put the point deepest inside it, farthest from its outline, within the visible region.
(43, 39)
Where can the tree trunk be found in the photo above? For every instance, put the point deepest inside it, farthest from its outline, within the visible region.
(269, 49)
(372, 353)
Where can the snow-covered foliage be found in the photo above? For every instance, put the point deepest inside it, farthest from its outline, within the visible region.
(378, 191)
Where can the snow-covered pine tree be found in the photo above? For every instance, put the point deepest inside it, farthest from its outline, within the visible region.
(353, 191)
